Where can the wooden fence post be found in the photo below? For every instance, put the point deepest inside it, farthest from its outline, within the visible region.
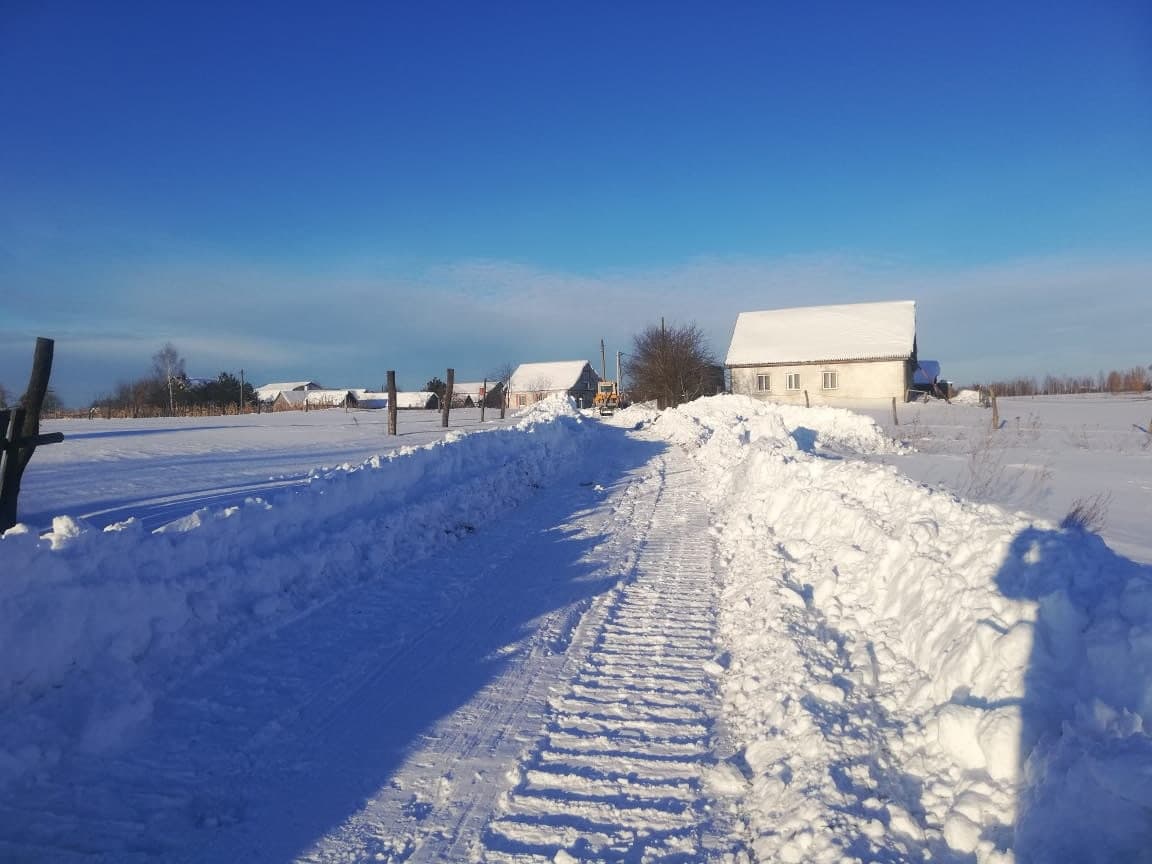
(995, 409)
(444, 409)
(21, 432)
(483, 399)
(895, 419)
(391, 402)
(807, 404)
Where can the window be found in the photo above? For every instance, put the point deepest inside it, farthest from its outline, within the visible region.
(763, 382)
(793, 380)
(831, 380)
(521, 400)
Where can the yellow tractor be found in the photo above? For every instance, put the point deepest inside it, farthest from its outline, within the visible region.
(607, 399)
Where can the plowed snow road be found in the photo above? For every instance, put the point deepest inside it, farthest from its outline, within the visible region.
(543, 687)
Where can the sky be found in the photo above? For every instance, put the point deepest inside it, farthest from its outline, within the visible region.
(327, 192)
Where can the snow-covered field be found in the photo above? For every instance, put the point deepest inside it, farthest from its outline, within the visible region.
(727, 632)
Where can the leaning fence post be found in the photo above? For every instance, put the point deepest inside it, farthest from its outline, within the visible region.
(995, 409)
(22, 433)
(807, 404)
(447, 399)
(895, 419)
(391, 402)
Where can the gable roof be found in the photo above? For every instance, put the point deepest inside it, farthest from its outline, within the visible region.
(269, 391)
(815, 334)
(561, 375)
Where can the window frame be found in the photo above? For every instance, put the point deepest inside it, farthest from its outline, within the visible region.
(766, 380)
(792, 383)
(835, 376)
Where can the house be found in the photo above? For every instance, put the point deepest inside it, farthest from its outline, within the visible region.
(825, 353)
(368, 399)
(532, 382)
(288, 400)
(469, 394)
(268, 392)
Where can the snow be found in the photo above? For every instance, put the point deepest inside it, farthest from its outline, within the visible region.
(812, 334)
(559, 375)
(732, 631)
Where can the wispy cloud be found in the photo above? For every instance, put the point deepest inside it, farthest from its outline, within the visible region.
(347, 325)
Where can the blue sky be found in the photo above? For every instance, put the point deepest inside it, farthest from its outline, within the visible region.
(328, 193)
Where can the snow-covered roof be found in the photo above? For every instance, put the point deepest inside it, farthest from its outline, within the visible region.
(472, 388)
(325, 397)
(292, 397)
(269, 391)
(813, 334)
(414, 399)
(561, 375)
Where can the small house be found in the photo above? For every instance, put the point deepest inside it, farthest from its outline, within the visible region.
(825, 353)
(269, 392)
(532, 382)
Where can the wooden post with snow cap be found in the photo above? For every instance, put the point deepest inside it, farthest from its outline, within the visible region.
(391, 402)
(447, 404)
(895, 419)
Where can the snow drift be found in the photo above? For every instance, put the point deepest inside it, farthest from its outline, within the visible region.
(913, 675)
(94, 624)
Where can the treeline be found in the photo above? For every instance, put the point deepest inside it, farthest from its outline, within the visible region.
(1134, 380)
(167, 391)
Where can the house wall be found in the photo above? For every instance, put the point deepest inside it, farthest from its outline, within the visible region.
(876, 379)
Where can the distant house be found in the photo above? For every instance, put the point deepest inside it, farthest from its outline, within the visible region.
(368, 399)
(269, 392)
(532, 382)
(311, 400)
(825, 353)
(415, 399)
(469, 394)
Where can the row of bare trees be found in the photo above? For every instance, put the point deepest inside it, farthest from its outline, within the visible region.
(1135, 380)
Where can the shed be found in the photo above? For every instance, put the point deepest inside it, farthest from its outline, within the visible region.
(825, 353)
(269, 392)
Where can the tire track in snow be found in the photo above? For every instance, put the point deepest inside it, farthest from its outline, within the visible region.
(619, 771)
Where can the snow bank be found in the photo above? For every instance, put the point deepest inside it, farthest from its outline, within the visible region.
(93, 624)
(913, 675)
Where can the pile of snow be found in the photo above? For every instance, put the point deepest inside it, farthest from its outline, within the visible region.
(967, 397)
(94, 623)
(913, 676)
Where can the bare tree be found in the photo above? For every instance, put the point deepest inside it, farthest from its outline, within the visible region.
(503, 374)
(671, 365)
(168, 366)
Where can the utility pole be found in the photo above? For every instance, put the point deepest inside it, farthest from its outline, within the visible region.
(241, 391)
(619, 380)
(603, 362)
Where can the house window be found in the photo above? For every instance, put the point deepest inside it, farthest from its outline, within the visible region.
(793, 380)
(831, 380)
(763, 382)
(521, 400)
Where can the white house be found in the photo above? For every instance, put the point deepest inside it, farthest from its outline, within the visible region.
(269, 392)
(825, 353)
(532, 382)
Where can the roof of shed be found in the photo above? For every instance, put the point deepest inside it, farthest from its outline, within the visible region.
(813, 334)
